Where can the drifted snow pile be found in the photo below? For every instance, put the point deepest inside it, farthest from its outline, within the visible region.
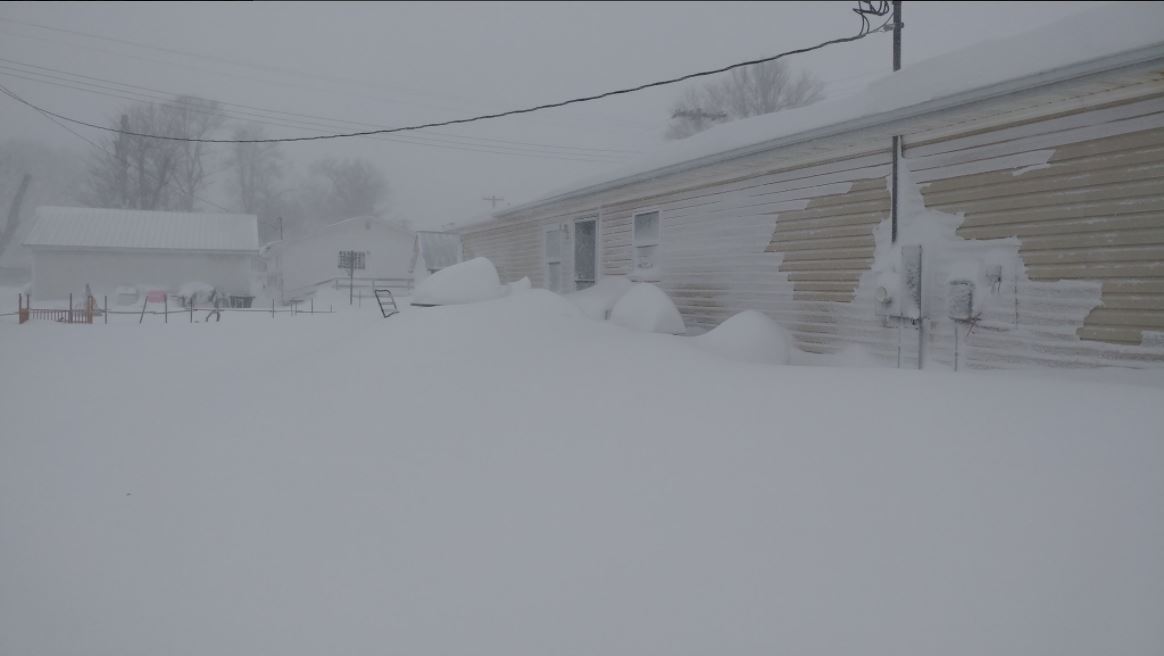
(749, 336)
(467, 282)
(648, 309)
(522, 285)
(597, 301)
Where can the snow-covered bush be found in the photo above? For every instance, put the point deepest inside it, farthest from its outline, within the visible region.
(749, 336)
(597, 301)
(647, 308)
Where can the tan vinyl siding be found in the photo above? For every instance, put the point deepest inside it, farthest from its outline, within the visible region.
(1092, 213)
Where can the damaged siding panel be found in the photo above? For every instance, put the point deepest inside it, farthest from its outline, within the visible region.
(1088, 223)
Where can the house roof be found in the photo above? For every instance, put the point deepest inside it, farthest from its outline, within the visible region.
(1113, 36)
(439, 249)
(119, 229)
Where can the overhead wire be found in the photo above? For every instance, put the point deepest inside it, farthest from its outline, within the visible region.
(575, 152)
(864, 10)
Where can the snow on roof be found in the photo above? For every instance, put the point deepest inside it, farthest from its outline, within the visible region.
(86, 227)
(1091, 36)
(439, 249)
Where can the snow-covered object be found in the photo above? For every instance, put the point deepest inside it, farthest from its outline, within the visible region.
(749, 336)
(648, 309)
(467, 282)
(597, 301)
(199, 290)
(520, 285)
(496, 460)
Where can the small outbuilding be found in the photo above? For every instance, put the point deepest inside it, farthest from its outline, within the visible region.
(107, 249)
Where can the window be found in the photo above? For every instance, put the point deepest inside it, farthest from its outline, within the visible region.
(645, 239)
(351, 260)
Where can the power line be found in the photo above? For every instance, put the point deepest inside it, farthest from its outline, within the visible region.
(581, 149)
(135, 96)
(864, 10)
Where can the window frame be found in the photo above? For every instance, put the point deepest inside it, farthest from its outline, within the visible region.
(652, 274)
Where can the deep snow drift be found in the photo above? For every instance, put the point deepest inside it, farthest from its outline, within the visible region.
(749, 336)
(509, 477)
(466, 282)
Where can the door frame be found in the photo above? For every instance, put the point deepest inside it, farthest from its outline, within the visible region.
(597, 249)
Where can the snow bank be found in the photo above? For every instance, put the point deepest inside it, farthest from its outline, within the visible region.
(520, 285)
(647, 308)
(597, 301)
(443, 472)
(749, 336)
(467, 282)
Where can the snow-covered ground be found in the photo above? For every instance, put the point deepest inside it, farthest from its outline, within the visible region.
(512, 478)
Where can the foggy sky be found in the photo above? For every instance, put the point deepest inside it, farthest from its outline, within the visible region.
(389, 64)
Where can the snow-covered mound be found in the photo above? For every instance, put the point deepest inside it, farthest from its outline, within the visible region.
(522, 285)
(467, 282)
(749, 336)
(597, 301)
(647, 308)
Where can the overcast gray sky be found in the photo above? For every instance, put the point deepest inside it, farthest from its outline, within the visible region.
(388, 64)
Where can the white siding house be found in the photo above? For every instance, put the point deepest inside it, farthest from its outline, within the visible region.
(1031, 177)
(72, 247)
(297, 266)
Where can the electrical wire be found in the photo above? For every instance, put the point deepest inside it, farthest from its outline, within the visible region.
(505, 142)
(248, 116)
(864, 10)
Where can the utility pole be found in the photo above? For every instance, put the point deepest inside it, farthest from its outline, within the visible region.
(896, 138)
(493, 200)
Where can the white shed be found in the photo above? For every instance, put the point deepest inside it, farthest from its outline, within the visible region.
(383, 256)
(72, 247)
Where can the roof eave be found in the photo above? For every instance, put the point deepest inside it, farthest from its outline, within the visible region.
(1062, 74)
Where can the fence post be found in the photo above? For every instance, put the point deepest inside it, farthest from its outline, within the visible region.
(313, 305)
(272, 308)
(166, 309)
(191, 309)
(70, 315)
(106, 313)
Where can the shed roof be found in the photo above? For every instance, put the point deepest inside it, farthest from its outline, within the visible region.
(1112, 36)
(119, 229)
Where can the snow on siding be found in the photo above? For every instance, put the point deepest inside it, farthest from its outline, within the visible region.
(438, 249)
(1082, 278)
(85, 227)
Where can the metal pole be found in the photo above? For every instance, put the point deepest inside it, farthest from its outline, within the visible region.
(106, 303)
(896, 138)
(166, 309)
(313, 305)
(272, 308)
(70, 308)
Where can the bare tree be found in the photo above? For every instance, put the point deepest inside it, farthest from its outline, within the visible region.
(747, 91)
(257, 169)
(193, 118)
(145, 173)
(340, 189)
